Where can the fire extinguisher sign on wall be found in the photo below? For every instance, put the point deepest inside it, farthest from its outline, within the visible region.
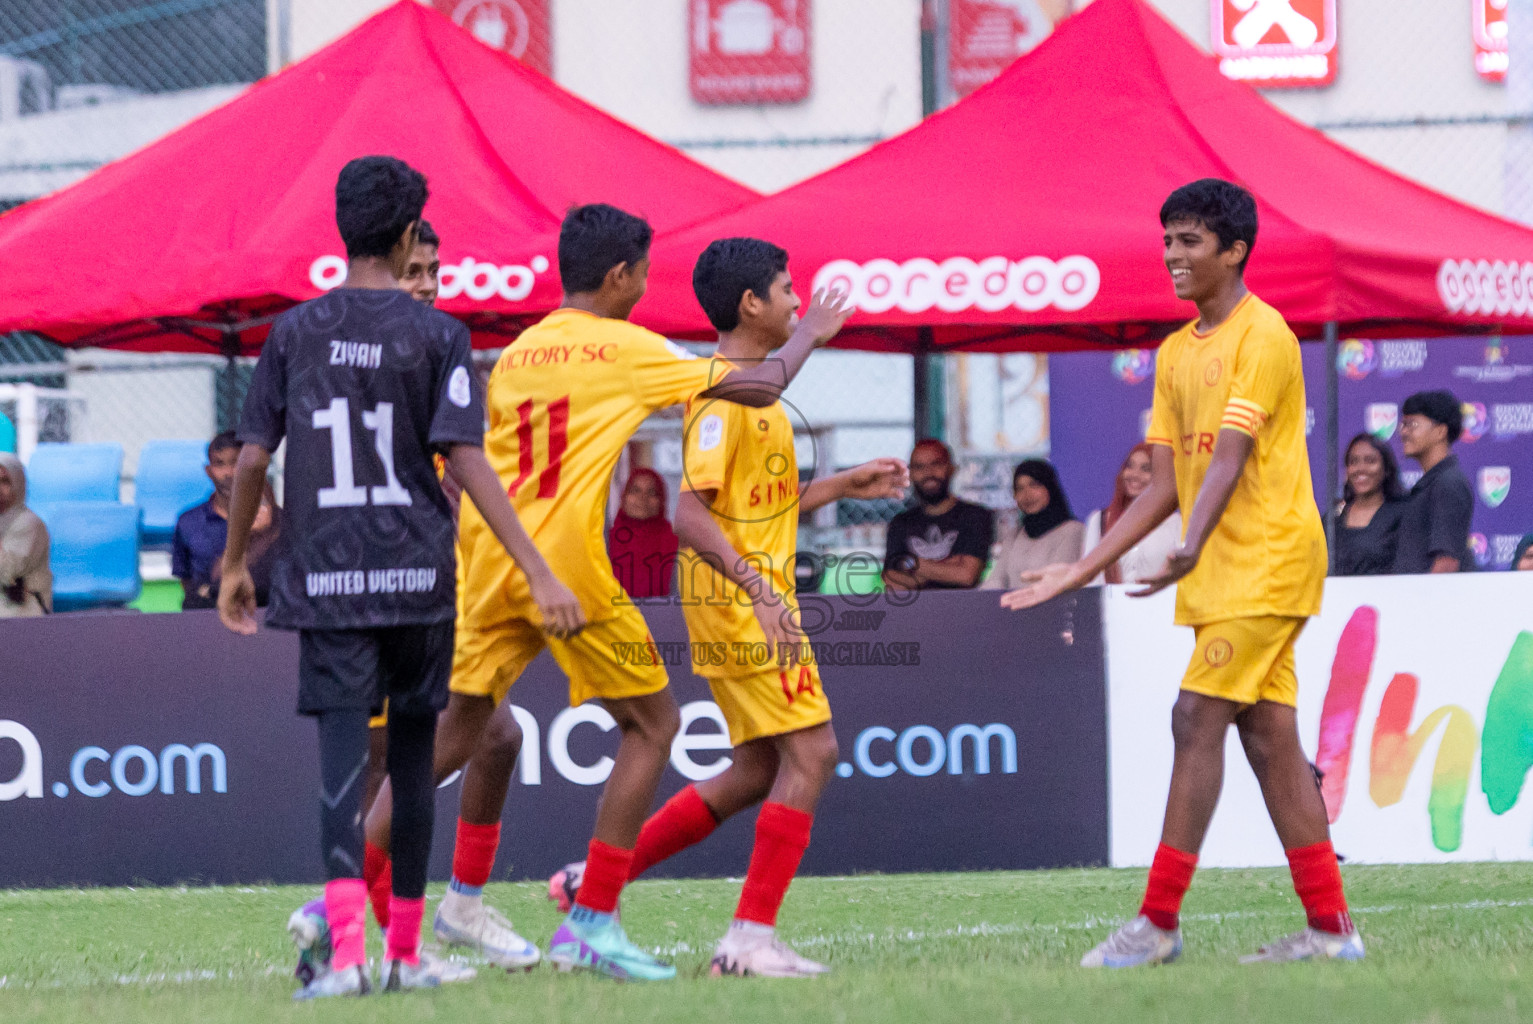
(749, 51)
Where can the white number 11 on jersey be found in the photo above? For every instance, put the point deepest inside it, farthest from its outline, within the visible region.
(347, 493)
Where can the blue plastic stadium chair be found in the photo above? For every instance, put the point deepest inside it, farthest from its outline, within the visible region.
(171, 478)
(93, 553)
(74, 472)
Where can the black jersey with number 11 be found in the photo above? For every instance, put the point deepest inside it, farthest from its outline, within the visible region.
(365, 385)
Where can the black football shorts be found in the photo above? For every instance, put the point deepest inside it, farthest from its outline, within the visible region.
(355, 669)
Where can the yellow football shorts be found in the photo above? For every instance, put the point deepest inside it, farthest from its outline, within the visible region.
(1246, 660)
(612, 659)
(771, 702)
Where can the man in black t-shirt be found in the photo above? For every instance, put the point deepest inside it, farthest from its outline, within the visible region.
(365, 384)
(943, 542)
(1434, 525)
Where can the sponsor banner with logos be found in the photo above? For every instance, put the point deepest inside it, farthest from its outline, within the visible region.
(1100, 403)
(1415, 700)
(161, 748)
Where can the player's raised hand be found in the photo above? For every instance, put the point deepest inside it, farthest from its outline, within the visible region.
(881, 478)
(1042, 585)
(237, 600)
(826, 313)
(562, 615)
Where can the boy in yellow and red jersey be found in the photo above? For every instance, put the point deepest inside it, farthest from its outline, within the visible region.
(738, 516)
(1228, 428)
(564, 399)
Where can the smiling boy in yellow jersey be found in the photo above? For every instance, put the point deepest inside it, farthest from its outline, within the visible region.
(564, 399)
(1228, 430)
(738, 516)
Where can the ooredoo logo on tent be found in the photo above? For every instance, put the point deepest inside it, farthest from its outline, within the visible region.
(959, 283)
(473, 278)
(1486, 286)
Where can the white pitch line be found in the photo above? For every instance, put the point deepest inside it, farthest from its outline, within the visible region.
(981, 930)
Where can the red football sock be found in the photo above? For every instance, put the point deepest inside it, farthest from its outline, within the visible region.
(607, 870)
(684, 820)
(782, 836)
(474, 855)
(378, 876)
(1317, 880)
(346, 912)
(1170, 875)
(404, 939)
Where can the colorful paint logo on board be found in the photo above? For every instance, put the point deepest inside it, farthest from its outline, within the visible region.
(1133, 365)
(1356, 359)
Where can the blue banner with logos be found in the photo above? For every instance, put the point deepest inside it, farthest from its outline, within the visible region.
(1100, 401)
(161, 748)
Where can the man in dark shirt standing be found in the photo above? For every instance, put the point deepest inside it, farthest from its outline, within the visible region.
(365, 384)
(1434, 527)
(201, 532)
(943, 542)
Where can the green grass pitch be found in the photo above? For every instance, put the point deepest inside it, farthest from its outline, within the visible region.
(1446, 943)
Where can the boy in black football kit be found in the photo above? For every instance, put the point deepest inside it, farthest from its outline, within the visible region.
(365, 383)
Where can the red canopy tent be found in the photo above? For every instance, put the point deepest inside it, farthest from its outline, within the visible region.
(200, 238)
(1025, 216)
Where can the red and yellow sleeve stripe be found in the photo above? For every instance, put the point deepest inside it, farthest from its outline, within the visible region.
(1156, 439)
(1244, 416)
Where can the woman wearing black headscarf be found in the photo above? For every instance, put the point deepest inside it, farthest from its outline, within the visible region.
(1049, 531)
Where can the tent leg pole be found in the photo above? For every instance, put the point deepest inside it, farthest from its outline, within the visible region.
(1332, 439)
(226, 385)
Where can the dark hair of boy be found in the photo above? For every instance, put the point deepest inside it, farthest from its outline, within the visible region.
(425, 234)
(729, 268)
(222, 441)
(377, 198)
(593, 239)
(1439, 407)
(1222, 207)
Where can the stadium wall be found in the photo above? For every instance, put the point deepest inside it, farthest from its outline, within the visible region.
(160, 748)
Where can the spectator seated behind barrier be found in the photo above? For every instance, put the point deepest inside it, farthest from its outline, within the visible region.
(1522, 558)
(1373, 502)
(641, 543)
(942, 542)
(7, 434)
(1434, 525)
(1049, 532)
(197, 550)
(1148, 557)
(26, 584)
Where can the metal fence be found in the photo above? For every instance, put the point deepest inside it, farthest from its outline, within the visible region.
(83, 82)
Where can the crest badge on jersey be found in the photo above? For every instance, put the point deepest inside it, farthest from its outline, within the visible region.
(459, 389)
(1495, 484)
(710, 432)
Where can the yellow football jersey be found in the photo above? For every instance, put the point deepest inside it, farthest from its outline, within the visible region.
(745, 455)
(1266, 555)
(563, 400)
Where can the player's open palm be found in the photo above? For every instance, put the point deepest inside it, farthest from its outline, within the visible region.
(826, 314)
(881, 478)
(237, 601)
(562, 615)
(1041, 585)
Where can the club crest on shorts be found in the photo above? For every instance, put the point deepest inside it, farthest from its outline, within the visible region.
(1218, 652)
